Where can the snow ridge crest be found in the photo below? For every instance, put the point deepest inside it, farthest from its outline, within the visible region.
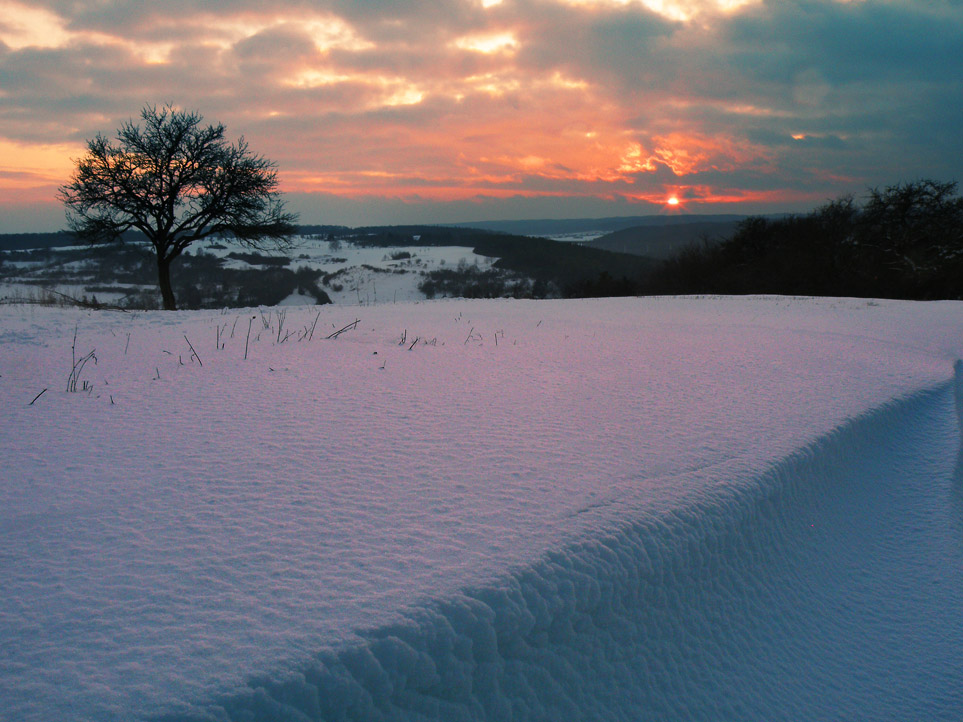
(614, 627)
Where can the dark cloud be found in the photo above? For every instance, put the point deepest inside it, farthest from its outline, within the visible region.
(276, 44)
(848, 42)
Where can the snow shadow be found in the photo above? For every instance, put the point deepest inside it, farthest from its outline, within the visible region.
(829, 588)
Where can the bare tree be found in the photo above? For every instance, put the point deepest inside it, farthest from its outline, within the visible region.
(176, 182)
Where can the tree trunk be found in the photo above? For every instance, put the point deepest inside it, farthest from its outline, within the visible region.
(164, 281)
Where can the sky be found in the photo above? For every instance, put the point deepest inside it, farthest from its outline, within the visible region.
(423, 111)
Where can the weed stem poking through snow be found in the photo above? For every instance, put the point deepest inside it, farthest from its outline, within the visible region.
(349, 327)
(192, 350)
(248, 336)
(78, 364)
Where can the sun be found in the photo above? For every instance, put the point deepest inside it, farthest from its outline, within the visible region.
(672, 201)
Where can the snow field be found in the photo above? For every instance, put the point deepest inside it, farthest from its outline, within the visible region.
(362, 275)
(829, 589)
(422, 527)
(369, 275)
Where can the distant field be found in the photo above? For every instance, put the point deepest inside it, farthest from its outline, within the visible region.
(329, 264)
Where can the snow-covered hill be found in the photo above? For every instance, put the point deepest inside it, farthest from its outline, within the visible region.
(369, 275)
(660, 508)
(351, 274)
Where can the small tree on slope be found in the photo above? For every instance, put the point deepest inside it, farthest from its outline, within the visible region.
(176, 182)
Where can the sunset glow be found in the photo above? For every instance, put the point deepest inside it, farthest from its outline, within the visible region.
(489, 43)
(34, 167)
(484, 108)
(31, 27)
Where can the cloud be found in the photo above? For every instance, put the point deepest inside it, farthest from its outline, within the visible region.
(594, 99)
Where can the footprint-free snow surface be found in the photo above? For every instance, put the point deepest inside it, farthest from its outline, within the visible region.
(646, 509)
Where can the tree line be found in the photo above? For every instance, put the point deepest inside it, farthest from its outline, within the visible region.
(903, 241)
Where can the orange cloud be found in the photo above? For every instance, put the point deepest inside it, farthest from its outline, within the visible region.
(678, 10)
(692, 196)
(25, 26)
(688, 153)
(36, 165)
(496, 42)
(610, 99)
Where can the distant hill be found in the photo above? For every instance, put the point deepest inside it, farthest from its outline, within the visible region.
(459, 232)
(531, 267)
(57, 239)
(322, 230)
(576, 270)
(26, 241)
(663, 241)
(556, 226)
